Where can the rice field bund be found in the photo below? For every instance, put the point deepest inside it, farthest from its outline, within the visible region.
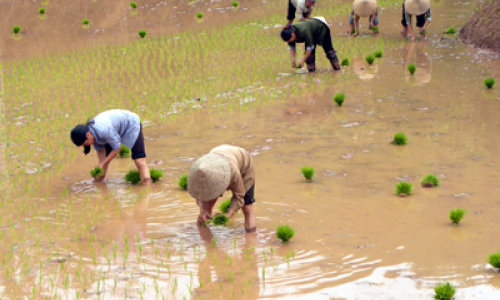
(378, 181)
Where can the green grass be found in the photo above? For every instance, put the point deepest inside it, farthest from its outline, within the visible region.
(456, 215)
(339, 98)
(444, 291)
(142, 33)
(345, 62)
(430, 180)
(16, 29)
(489, 82)
(370, 58)
(224, 206)
(96, 172)
(412, 68)
(124, 152)
(199, 15)
(183, 182)
(220, 219)
(404, 188)
(42, 10)
(400, 139)
(378, 53)
(450, 30)
(308, 173)
(235, 3)
(133, 177)
(133, 4)
(85, 21)
(284, 233)
(155, 174)
(494, 260)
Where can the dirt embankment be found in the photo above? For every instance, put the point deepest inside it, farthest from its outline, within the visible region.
(482, 30)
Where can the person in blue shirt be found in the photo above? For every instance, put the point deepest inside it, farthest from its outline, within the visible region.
(107, 132)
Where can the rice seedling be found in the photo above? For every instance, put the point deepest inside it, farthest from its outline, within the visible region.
(85, 22)
(456, 215)
(374, 29)
(430, 180)
(494, 260)
(142, 33)
(96, 172)
(133, 4)
(199, 15)
(224, 206)
(400, 139)
(444, 291)
(489, 82)
(183, 180)
(155, 174)
(370, 58)
(412, 68)
(450, 30)
(124, 152)
(378, 53)
(308, 173)
(133, 177)
(220, 219)
(339, 98)
(284, 233)
(403, 188)
(345, 62)
(16, 29)
(235, 4)
(41, 10)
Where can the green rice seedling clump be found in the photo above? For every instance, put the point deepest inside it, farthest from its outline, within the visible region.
(85, 21)
(16, 29)
(489, 82)
(400, 139)
(370, 58)
(404, 188)
(124, 152)
(450, 30)
(374, 29)
(494, 260)
(224, 206)
(345, 62)
(155, 174)
(339, 98)
(183, 182)
(220, 219)
(199, 15)
(285, 233)
(378, 53)
(412, 68)
(235, 3)
(96, 172)
(423, 32)
(444, 291)
(142, 33)
(430, 180)
(42, 10)
(308, 173)
(133, 177)
(456, 215)
(133, 4)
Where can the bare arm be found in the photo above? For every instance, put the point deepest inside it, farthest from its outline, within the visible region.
(411, 32)
(356, 27)
(306, 56)
(292, 57)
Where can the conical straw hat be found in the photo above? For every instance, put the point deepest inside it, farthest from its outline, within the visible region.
(209, 177)
(364, 8)
(417, 7)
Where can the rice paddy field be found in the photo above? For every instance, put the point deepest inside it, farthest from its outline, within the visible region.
(225, 78)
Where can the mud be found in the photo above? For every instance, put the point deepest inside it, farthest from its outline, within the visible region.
(482, 28)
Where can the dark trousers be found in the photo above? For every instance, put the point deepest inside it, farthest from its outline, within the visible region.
(327, 46)
(292, 10)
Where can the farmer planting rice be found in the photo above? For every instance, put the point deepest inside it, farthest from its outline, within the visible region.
(312, 32)
(107, 132)
(363, 9)
(421, 9)
(224, 168)
(302, 7)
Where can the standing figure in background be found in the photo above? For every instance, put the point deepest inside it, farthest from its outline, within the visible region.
(302, 7)
(363, 9)
(421, 9)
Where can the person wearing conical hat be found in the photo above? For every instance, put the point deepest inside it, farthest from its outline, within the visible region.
(362, 9)
(421, 9)
(312, 32)
(226, 167)
(301, 7)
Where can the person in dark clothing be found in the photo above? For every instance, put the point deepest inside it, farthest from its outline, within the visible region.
(302, 7)
(312, 32)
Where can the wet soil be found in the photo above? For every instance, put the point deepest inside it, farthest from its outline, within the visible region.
(482, 29)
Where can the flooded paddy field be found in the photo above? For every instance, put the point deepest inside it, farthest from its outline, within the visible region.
(227, 80)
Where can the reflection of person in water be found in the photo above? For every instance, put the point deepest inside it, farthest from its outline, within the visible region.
(422, 61)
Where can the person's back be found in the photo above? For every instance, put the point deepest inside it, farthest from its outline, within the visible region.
(315, 28)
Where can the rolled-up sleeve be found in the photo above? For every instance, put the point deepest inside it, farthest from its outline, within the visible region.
(237, 186)
(407, 18)
(291, 45)
(428, 15)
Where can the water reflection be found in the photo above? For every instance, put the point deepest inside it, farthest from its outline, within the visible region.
(417, 53)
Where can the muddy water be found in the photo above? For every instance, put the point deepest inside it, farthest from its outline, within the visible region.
(355, 238)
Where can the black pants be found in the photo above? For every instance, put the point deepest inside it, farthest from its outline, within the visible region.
(249, 196)
(138, 150)
(420, 19)
(291, 11)
(327, 46)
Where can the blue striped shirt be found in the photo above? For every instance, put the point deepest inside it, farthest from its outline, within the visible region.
(115, 127)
